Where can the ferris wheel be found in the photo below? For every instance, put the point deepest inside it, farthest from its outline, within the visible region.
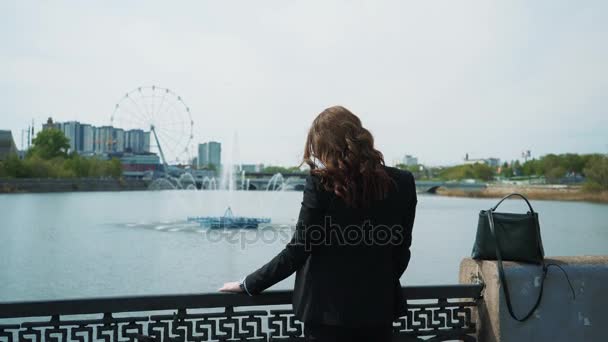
(162, 113)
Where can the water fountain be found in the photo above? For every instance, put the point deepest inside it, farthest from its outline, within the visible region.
(288, 183)
(229, 181)
(243, 181)
(209, 183)
(228, 220)
(161, 184)
(274, 180)
(187, 181)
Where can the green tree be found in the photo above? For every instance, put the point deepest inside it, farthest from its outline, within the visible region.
(573, 162)
(596, 172)
(555, 174)
(506, 171)
(483, 172)
(531, 168)
(50, 143)
(549, 162)
(114, 168)
(418, 171)
(35, 166)
(468, 171)
(280, 169)
(13, 167)
(94, 167)
(79, 166)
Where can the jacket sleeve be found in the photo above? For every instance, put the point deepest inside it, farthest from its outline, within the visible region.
(401, 251)
(295, 253)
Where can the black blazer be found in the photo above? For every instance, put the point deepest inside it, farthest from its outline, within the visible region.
(347, 269)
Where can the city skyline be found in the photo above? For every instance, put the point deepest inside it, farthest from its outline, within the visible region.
(488, 79)
(85, 138)
(122, 142)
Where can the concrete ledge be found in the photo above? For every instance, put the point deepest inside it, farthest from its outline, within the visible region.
(559, 316)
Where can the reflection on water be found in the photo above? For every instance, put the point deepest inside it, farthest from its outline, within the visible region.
(126, 243)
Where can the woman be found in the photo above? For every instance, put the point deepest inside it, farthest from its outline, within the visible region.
(352, 237)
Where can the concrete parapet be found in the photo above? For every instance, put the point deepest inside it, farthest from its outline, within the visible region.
(559, 317)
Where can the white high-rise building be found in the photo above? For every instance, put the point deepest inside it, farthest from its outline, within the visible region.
(146, 141)
(103, 139)
(410, 160)
(71, 130)
(87, 138)
(135, 140)
(210, 153)
(118, 142)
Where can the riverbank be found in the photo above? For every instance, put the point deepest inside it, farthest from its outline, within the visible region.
(42, 185)
(538, 192)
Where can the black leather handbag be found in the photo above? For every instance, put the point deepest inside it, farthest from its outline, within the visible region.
(517, 234)
(512, 237)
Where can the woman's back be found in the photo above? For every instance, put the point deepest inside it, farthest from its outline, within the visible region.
(352, 238)
(356, 258)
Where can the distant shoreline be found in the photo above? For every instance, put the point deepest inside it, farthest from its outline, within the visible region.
(537, 192)
(56, 185)
(47, 185)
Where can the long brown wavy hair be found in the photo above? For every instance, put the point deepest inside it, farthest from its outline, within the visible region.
(351, 167)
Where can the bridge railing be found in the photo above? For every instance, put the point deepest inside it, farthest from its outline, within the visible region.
(441, 313)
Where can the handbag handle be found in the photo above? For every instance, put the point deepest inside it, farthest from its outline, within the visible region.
(503, 278)
(511, 195)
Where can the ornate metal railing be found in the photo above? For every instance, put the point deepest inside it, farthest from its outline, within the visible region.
(435, 313)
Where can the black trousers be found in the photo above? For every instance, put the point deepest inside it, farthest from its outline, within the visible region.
(332, 333)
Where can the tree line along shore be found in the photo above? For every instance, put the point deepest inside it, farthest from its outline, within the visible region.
(552, 176)
(555, 193)
(566, 177)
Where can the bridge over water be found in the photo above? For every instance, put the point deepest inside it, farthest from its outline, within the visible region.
(432, 186)
(296, 181)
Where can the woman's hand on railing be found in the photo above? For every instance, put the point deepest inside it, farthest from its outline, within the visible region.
(233, 286)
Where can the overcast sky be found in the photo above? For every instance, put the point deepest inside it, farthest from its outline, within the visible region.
(435, 79)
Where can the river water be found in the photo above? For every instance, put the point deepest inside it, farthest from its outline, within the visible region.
(72, 245)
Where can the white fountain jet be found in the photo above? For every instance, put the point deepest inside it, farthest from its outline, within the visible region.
(228, 181)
